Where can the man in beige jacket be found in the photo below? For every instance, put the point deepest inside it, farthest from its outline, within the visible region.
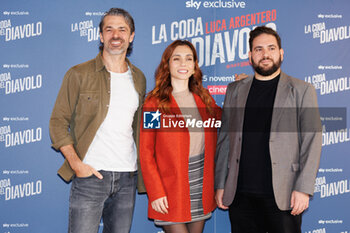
(95, 124)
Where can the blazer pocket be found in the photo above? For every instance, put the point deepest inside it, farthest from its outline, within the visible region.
(295, 167)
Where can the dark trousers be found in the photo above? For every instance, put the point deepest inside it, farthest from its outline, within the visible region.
(250, 213)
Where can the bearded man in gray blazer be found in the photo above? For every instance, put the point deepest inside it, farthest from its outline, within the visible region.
(269, 146)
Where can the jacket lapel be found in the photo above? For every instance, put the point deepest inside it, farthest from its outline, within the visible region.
(174, 107)
(201, 107)
(238, 106)
(283, 91)
(243, 91)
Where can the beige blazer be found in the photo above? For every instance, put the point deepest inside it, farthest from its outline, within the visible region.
(295, 139)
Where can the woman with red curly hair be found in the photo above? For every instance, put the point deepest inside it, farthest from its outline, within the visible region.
(177, 143)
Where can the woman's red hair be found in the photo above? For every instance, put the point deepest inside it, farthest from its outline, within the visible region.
(163, 88)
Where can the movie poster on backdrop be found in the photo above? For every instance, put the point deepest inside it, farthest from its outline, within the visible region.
(325, 33)
(328, 32)
(22, 127)
(221, 39)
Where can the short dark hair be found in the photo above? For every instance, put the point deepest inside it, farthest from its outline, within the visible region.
(129, 20)
(263, 30)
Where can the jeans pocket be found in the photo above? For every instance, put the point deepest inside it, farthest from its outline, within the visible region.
(85, 177)
(90, 184)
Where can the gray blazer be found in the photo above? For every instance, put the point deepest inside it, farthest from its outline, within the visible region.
(295, 139)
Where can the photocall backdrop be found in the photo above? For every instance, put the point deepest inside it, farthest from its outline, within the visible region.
(40, 40)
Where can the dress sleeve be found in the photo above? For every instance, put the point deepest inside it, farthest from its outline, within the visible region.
(149, 166)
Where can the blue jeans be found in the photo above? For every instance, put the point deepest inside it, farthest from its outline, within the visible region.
(111, 198)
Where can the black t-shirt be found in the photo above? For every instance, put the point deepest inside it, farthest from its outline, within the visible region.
(255, 172)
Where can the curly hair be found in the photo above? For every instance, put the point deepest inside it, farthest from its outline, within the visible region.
(163, 88)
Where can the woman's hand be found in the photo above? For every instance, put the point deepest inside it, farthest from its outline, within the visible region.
(160, 205)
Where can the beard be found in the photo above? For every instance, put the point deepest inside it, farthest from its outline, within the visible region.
(266, 71)
(121, 50)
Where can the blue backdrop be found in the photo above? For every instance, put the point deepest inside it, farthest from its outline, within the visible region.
(40, 40)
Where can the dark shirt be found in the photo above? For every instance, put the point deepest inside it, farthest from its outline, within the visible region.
(255, 172)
